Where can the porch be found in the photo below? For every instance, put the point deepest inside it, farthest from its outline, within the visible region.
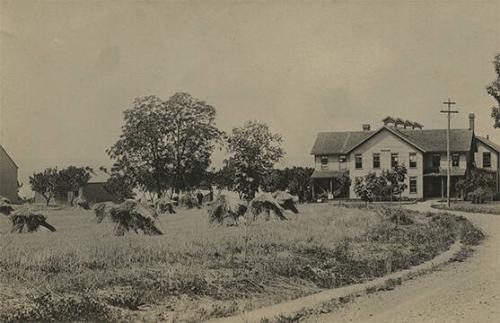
(435, 183)
(330, 184)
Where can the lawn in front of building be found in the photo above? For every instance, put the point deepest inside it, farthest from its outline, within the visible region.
(490, 207)
(196, 271)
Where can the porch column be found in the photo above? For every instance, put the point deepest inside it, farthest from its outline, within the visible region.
(442, 187)
(313, 194)
(331, 186)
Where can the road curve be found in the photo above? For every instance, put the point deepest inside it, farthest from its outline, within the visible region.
(461, 292)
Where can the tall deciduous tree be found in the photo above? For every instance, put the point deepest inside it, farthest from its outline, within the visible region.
(494, 90)
(253, 150)
(193, 138)
(166, 144)
(143, 152)
(45, 183)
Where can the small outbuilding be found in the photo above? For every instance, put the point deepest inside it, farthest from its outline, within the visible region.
(93, 192)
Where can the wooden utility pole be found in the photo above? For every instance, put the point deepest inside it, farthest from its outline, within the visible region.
(448, 112)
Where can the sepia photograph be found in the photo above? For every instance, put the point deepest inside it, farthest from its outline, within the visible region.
(250, 161)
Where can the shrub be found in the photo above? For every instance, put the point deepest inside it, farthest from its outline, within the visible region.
(129, 299)
(50, 307)
(398, 216)
(477, 185)
(478, 195)
(386, 187)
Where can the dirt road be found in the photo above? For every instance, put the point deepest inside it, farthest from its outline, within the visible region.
(461, 292)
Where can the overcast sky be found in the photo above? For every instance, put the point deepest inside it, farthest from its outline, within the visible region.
(69, 69)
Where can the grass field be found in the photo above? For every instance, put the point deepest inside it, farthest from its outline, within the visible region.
(197, 271)
(492, 207)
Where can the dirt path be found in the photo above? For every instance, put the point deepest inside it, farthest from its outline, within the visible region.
(461, 292)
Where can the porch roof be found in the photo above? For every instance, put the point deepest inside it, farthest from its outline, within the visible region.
(444, 172)
(329, 173)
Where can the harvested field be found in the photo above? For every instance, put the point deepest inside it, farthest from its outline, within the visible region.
(198, 270)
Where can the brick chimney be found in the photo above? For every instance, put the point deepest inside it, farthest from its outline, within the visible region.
(471, 121)
(366, 127)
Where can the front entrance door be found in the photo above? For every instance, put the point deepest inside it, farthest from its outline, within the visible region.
(433, 187)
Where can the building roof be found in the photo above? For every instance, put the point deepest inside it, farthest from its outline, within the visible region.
(329, 173)
(428, 140)
(98, 176)
(444, 172)
(434, 140)
(489, 143)
(338, 142)
(7, 154)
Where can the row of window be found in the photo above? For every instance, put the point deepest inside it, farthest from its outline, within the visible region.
(358, 160)
(435, 160)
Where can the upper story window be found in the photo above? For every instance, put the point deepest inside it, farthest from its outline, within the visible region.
(342, 158)
(324, 161)
(436, 160)
(486, 160)
(358, 161)
(455, 160)
(413, 160)
(394, 160)
(376, 160)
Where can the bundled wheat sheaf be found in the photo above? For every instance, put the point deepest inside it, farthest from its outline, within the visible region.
(128, 216)
(5, 207)
(164, 205)
(286, 201)
(81, 203)
(265, 205)
(189, 201)
(26, 220)
(228, 210)
(225, 209)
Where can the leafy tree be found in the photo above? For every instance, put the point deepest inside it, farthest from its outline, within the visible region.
(368, 188)
(71, 179)
(253, 152)
(166, 144)
(142, 151)
(395, 177)
(476, 179)
(387, 186)
(296, 180)
(193, 138)
(222, 179)
(275, 180)
(45, 183)
(494, 90)
(119, 185)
